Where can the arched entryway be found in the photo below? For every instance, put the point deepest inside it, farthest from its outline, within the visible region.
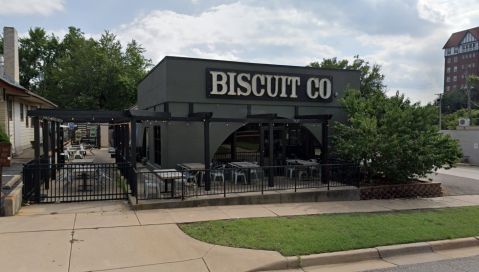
(251, 143)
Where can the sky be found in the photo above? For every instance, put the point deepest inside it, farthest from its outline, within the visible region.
(404, 37)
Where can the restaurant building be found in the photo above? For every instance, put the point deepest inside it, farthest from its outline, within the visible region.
(239, 102)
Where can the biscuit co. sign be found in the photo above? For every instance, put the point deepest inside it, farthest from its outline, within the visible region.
(237, 84)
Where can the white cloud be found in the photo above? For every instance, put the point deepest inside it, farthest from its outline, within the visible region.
(405, 37)
(44, 7)
(228, 32)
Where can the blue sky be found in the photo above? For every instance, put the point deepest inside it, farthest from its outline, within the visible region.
(405, 37)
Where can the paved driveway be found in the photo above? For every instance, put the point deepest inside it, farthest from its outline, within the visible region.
(458, 181)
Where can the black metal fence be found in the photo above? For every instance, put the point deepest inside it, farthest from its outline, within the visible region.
(56, 183)
(168, 184)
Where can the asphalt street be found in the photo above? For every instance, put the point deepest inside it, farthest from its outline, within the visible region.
(469, 264)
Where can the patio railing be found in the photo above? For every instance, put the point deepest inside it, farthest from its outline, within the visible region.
(189, 183)
(56, 183)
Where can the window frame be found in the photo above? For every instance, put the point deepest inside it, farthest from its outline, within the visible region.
(22, 113)
(10, 109)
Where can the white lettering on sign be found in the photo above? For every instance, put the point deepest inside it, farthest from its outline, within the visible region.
(217, 82)
(325, 88)
(253, 84)
(258, 85)
(476, 146)
(244, 84)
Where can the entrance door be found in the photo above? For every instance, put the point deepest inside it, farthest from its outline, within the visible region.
(279, 145)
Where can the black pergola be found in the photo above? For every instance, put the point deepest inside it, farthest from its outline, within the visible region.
(128, 120)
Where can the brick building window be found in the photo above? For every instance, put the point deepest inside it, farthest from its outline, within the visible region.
(454, 78)
(448, 69)
(455, 59)
(463, 66)
(448, 89)
(473, 65)
(455, 68)
(448, 79)
(448, 60)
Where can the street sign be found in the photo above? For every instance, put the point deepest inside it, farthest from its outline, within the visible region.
(71, 125)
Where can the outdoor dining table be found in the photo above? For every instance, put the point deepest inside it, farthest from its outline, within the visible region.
(195, 166)
(83, 170)
(243, 164)
(309, 164)
(302, 162)
(169, 175)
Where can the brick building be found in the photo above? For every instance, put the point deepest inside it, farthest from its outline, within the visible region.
(461, 58)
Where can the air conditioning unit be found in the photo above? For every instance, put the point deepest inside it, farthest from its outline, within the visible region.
(465, 122)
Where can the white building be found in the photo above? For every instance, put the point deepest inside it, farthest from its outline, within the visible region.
(14, 99)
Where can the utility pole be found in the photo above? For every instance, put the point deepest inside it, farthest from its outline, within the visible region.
(468, 93)
(440, 110)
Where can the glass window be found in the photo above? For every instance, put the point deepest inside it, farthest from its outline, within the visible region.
(10, 110)
(157, 145)
(21, 112)
(26, 117)
(448, 69)
(455, 59)
(463, 66)
(448, 60)
(448, 88)
(455, 68)
(448, 79)
(454, 79)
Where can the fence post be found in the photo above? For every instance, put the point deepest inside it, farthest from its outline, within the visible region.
(182, 187)
(328, 175)
(224, 183)
(262, 184)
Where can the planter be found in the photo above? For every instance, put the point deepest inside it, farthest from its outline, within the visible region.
(5, 155)
(412, 190)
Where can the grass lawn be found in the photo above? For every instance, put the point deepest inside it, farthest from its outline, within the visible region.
(304, 235)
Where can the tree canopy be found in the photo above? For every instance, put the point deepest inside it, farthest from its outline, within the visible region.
(80, 73)
(392, 138)
(371, 76)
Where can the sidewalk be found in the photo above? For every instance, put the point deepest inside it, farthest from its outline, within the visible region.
(108, 235)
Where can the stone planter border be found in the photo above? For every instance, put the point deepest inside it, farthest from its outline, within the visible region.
(413, 190)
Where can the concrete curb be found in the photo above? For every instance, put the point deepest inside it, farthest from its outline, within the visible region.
(12, 182)
(405, 249)
(13, 202)
(379, 253)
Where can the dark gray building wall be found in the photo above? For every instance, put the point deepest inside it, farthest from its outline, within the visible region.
(468, 139)
(180, 81)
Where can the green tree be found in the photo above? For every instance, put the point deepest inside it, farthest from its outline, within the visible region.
(371, 77)
(453, 101)
(392, 138)
(81, 73)
(451, 121)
